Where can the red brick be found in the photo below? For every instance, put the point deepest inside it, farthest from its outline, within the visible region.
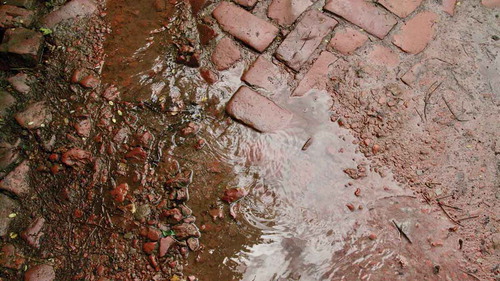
(449, 6)
(416, 33)
(206, 34)
(257, 111)
(264, 74)
(17, 180)
(12, 16)
(363, 14)
(70, 10)
(285, 12)
(253, 31)
(7, 207)
(317, 77)
(348, 40)
(246, 3)
(28, 4)
(402, 8)
(491, 3)
(21, 47)
(304, 39)
(226, 53)
(384, 56)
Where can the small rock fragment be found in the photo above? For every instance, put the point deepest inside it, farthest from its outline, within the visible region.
(234, 194)
(21, 47)
(19, 83)
(165, 244)
(76, 157)
(17, 181)
(186, 230)
(7, 207)
(41, 272)
(33, 233)
(34, 116)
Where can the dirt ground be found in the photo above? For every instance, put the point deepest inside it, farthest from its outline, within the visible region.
(249, 140)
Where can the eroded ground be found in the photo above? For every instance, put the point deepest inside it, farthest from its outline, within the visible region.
(249, 140)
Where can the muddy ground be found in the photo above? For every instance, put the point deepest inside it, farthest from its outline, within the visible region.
(255, 140)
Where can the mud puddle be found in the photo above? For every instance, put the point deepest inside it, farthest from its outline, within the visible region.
(315, 221)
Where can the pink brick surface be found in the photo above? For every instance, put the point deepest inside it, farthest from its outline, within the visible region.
(257, 111)
(304, 39)
(285, 12)
(317, 77)
(348, 40)
(364, 14)
(449, 6)
(416, 33)
(226, 53)
(264, 74)
(402, 8)
(253, 31)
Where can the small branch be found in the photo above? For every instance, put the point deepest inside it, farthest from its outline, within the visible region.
(452, 111)
(467, 218)
(447, 214)
(307, 144)
(471, 275)
(402, 232)
(428, 96)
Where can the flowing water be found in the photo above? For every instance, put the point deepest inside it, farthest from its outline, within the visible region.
(304, 218)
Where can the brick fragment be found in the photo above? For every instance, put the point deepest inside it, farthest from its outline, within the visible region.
(264, 74)
(246, 3)
(12, 16)
(402, 8)
(253, 31)
(317, 77)
(304, 39)
(70, 10)
(416, 33)
(28, 4)
(348, 40)
(226, 53)
(7, 207)
(16, 181)
(449, 6)
(491, 3)
(257, 111)
(285, 12)
(21, 47)
(363, 14)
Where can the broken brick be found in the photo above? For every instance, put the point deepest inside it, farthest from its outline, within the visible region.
(364, 14)
(317, 77)
(257, 111)
(304, 39)
(253, 31)
(17, 181)
(416, 33)
(264, 74)
(70, 10)
(226, 53)
(246, 3)
(402, 8)
(285, 12)
(12, 16)
(348, 40)
(21, 47)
